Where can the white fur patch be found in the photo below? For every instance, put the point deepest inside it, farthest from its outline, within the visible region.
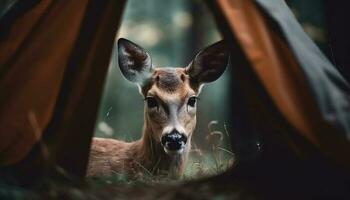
(171, 152)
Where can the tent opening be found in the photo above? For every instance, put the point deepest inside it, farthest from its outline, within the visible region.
(172, 37)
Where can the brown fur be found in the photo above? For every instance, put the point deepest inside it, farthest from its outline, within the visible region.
(147, 156)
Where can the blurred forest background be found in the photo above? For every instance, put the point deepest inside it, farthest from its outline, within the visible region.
(172, 37)
(173, 32)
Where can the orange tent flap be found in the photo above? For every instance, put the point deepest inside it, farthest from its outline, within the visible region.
(279, 72)
(52, 70)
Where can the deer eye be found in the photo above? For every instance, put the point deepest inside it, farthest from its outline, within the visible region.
(151, 102)
(192, 101)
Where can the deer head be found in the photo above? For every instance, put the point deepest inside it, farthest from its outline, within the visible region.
(171, 93)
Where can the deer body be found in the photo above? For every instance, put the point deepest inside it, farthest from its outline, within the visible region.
(144, 156)
(169, 116)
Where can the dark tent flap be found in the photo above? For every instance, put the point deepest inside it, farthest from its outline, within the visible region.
(330, 89)
(288, 77)
(5, 6)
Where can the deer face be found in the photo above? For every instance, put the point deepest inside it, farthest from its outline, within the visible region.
(171, 93)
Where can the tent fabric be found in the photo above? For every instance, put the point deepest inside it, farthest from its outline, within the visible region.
(55, 54)
(53, 61)
(32, 67)
(5, 6)
(330, 89)
(302, 84)
(337, 33)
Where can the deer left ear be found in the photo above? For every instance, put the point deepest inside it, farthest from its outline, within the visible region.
(209, 64)
(134, 61)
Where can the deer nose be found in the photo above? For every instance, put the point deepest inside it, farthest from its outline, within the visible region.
(174, 140)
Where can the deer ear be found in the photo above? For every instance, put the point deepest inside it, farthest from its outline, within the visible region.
(134, 62)
(209, 64)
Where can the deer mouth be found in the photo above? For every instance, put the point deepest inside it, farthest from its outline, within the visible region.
(174, 151)
(174, 143)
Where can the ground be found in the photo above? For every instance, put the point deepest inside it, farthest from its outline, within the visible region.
(119, 188)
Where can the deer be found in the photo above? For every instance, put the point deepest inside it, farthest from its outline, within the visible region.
(170, 102)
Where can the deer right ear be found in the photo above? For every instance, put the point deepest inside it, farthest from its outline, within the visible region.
(209, 64)
(134, 62)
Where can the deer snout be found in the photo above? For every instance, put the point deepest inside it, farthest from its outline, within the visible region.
(174, 141)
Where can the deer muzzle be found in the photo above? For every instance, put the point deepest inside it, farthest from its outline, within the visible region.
(174, 142)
